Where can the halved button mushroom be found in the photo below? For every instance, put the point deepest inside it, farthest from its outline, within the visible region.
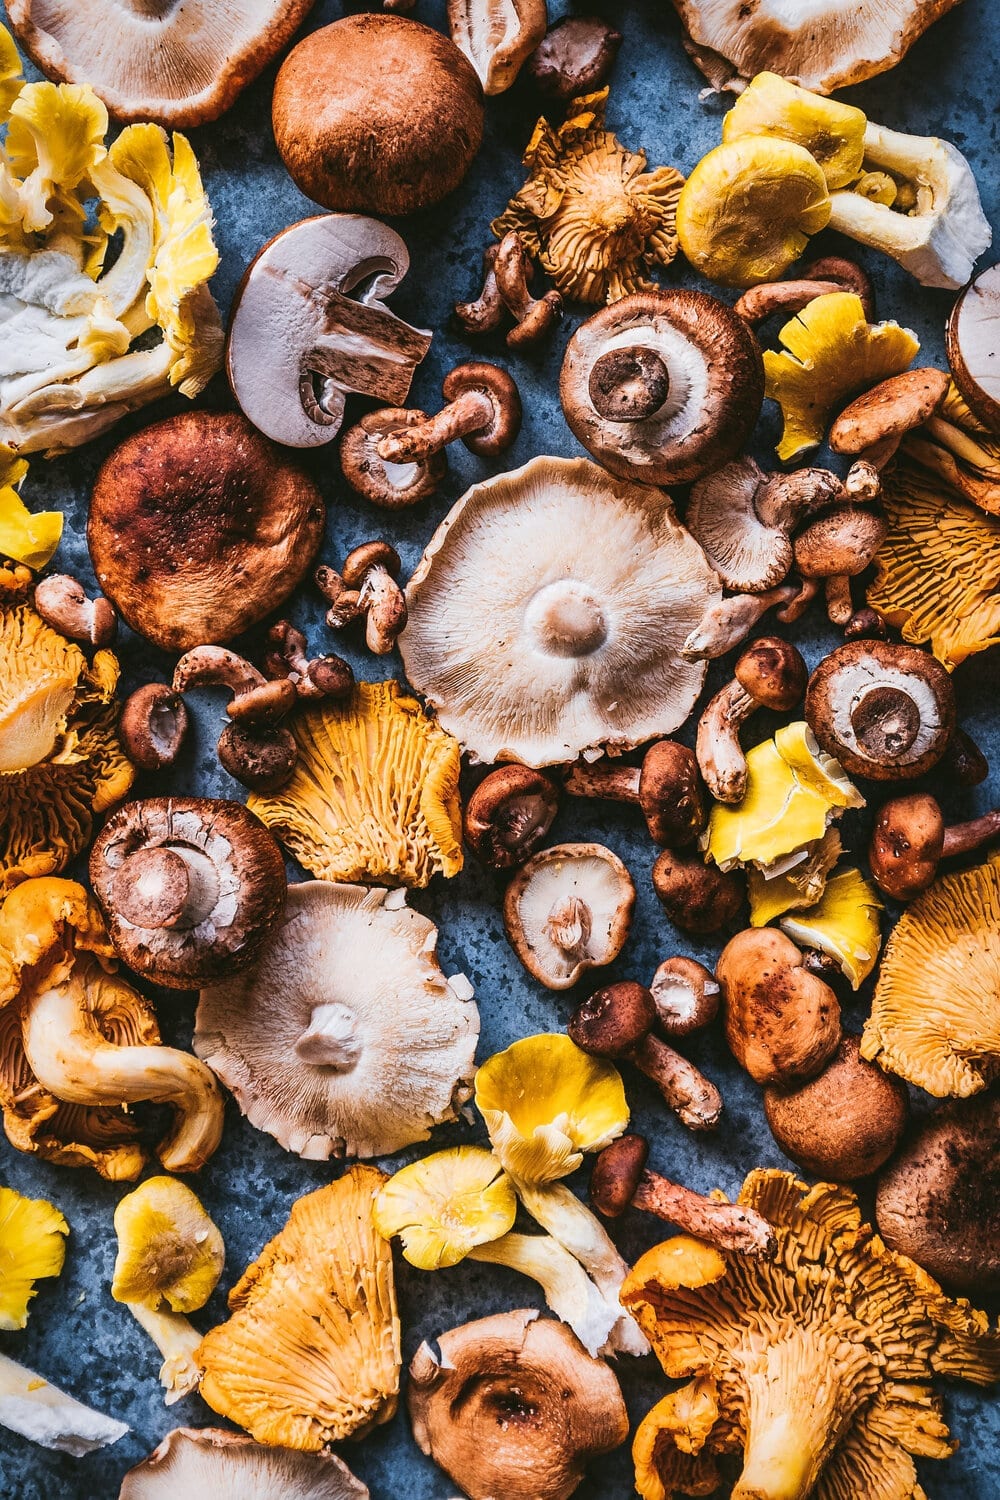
(972, 345)
(569, 909)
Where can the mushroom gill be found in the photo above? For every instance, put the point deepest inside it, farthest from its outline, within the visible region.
(231, 1466)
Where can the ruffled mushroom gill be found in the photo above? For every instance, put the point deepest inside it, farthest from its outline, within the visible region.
(374, 793)
(311, 1353)
(61, 764)
(595, 218)
(816, 1366)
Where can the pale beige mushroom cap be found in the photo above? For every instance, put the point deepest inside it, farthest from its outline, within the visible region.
(208, 1461)
(567, 910)
(346, 1038)
(547, 615)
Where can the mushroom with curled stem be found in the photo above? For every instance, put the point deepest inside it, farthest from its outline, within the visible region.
(620, 1179)
(666, 787)
(509, 814)
(484, 410)
(831, 274)
(697, 897)
(366, 588)
(567, 910)
(875, 423)
(153, 725)
(617, 1022)
(389, 485)
(254, 748)
(63, 603)
(534, 317)
(316, 677)
(686, 996)
(840, 542)
(911, 839)
(770, 673)
(485, 314)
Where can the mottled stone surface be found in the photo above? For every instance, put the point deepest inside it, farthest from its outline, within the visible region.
(77, 1335)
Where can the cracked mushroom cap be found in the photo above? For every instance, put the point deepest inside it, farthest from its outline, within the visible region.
(707, 397)
(190, 886)
(513, 1405)
(567, 910)
(179, 65)
(197, 1461)
(199, 527)
(580, 645)
(346, 1038)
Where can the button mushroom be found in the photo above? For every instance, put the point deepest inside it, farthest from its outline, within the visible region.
(231, 1466)
(567, 910)
(686, 996)
(366, 589)
(662, 386)
(666, 787)
(782, 1021)
(885, 711)
(191, 888)
(697, 897)
(769, 674)
(509, 814)
(254, 748)
(309, 326)
(484, 410)
(911, 839)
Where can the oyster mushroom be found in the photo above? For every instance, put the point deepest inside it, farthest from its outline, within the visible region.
(513, 1405)
(662, 386)
(972, 345)
(231, 1466)
(41, 1412)
(580, 646)
(309, 327)
(782, 1021)
(190, 887)
(345, 1038)
(567, 910)
(508, 816)
(496, 37)
(910, 840)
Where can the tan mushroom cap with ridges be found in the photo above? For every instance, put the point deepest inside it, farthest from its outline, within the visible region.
(547, 615)
(179, 65)
(567, 910)
(196, 1461)
(747, 553)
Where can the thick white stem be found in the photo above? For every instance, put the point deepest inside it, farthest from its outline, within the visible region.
(568, 1290)
(177, 1340)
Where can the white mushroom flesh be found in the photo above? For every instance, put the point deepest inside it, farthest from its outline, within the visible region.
(210, 1464)
(850, 685)
(32, 1407)
(570, 913)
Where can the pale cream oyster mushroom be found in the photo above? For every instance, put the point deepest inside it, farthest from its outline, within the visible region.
(567, 910)
(202, 1461)
(346, 1039)
(547, 615)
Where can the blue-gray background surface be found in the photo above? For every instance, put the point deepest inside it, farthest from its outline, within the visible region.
(77, 1336)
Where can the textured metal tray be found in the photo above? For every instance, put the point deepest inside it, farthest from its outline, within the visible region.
(79, 1337)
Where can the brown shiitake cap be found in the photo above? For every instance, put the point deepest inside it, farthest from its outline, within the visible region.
(377, 114)
(575, 57)
(509, 814)
(614, 1020)
(888, 411)
(782, 1021)
(972, 346)
(696, 897)
(616, 1174)
(199, 527)
(391, 486)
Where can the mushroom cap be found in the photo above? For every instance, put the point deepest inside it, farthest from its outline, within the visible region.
(840, 543)
(614, 1020)
(198, 1461)
(747, 554)
(513, 1405)
(377, 114)
(686, 996)
(715, 393)
(391, 486)
(509, 814)
(782, 1021)
(169, 1250)
(580, 645)
(568, 873)
(178, 65)
(199, 527)
(670, 794)
(889, 410)
(33, 1238)
(232, 896)
(885, 711)
(832, 132)
(907, 844)
(696, 896)
(346, 1038)
(939, 1201)
(445, 1205)
(971, 342)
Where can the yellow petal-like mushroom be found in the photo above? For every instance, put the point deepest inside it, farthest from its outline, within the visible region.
(445, 1205)
(28, 538)
(32, 1245)
(833, 133)
(843, 924)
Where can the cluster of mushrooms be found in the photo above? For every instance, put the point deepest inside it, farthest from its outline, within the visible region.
(555, 635)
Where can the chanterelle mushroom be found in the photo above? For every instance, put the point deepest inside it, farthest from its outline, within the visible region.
(346, 1038)
(231, 1466)
(580, 645)
(513, 1405)
(567, 910)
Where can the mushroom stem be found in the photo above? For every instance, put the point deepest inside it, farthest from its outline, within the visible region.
(726, 1225)
(695, 1101)
(720, 754)
(177, 1340)
(512, 270)
(569, 926)
(469, 412)
(962, 838)
(761, 302)
(486, 313)
(255, 700)
(613, 783)
(567, 1288)
(629, 384)
(166, 887)
(728, 623)
(319, 677)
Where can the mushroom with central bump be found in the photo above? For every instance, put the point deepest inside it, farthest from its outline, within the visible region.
(567, 910)
(509, 814)
(770, 673)
(665, 786)
(911, 839)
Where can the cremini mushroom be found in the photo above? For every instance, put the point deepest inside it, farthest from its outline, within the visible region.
(568, 909)
(513, 1405)
(874, 424)
(310, 326)
(64, 604)
(697, 897)
(199, 527)
(574, 57)
(231, 1466)
(508, 816)
(345, 1037)
(496, 37)
(191, 887)
(662, 386)
(771, 674)
(153, 726)
(911, 839)
(665, 787)
(254, 747)
(484, 410)
(32, 1248)
(686, 996)
(366, 589)
(971, 345)
(963, 761)
(782, 1020)
(580, 646)
(312, 677)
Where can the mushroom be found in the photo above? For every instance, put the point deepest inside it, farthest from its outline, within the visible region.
(29, 539)
(496, 37)
(391, 486)
(319, 677)
(153, 726)
(568, 909)
(911, 839)
(770, 673)
(662, 386)
(34, 1247)
(484, 410)
(874, 424)
(345, 1038)
(309, 326)
(938, 1201)
(574, 57)
(377, 114)
(697, 897)
(782, 1020)
(831, 273)
(62, 603)
(534, 318)
(512, 1405)
(963, 762)
(509, 814)
(727, 624)
(844, 1123)
(793, 881)
(842, 542)
(35, 1409)
(620, 1180)
(666, 787)
(843, 926)
(957, 448)
(191, 887)
(580, 646)
(617, 1022)
(686, 996)
(199, 528)
(231, 1466)
(885, 711)
(254, 748)
(971, 345)
(831, 131)
(178, 67)
(366, 589)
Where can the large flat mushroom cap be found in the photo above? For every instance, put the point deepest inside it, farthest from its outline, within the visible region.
(204, 1461)
(177, 64)
(548, 613)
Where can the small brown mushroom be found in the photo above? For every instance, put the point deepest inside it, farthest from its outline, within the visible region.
(911, 839)
(770, 673)
(574, 57)
(841, 542)
(696, 897)
(316, 677)
(963, 761)
(509, 814)
(832, 274)
(486, 313)
(568, 909)
(686, 996)
(534, 318)
(873, 426)
(865, 624)
(366, 588)
(782, 1021)
(727, 624)
(617, 1022)
(666, 787)
(254, 748)
(392, 486)
(620, 1179)
(153, 725)
(484, 410)
(62, 603)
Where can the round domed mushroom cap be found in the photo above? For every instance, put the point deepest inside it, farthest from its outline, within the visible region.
(377, 114)
(548, 613)
(176, 64)
(199, 527)
(209, 1461)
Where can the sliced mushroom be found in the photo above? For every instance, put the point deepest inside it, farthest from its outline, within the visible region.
(567, 910)
(309, 325)
(509, 814)
(497, 36)
(209, 1461)
(972, 345)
